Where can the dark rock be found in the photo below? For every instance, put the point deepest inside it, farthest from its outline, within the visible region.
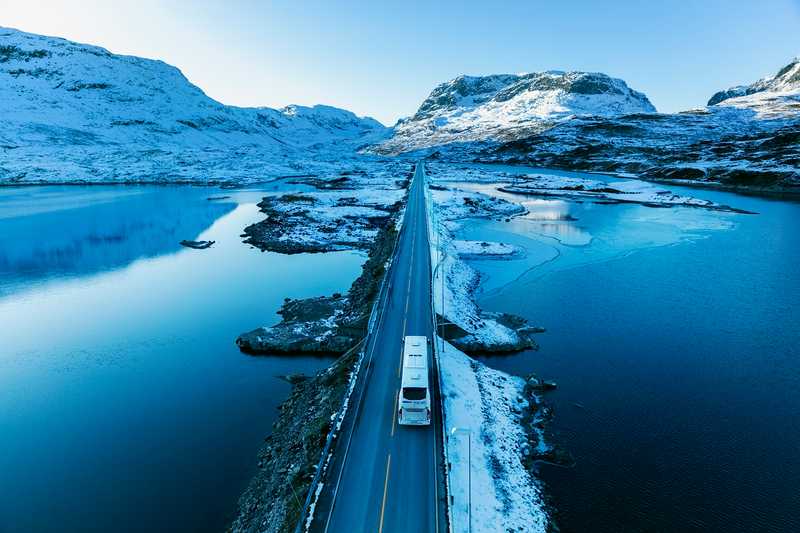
(200, 245)
(534, 384)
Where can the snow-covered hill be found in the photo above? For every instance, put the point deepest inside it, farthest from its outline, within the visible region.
(506, 107)
(71, 111)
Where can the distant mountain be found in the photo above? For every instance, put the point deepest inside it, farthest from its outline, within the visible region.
(785, 81)
(774, 97)
(72, 111)
(507, 107)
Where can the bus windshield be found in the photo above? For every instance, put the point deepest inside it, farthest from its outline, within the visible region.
(414, 393)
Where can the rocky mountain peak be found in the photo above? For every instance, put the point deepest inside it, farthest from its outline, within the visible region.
(507, 106)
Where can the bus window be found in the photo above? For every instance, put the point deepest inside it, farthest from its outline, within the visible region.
(414, 393)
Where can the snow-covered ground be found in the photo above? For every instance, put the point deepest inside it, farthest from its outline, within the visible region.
(344, 211)
(331, 219)
(745, 138)
(583, 187)
(485, 446)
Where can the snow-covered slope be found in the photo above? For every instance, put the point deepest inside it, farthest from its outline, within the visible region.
(73, 111)
(775, 96)
(787, 80)
(506, 107)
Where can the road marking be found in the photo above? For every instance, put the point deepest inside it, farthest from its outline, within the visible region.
(394, 418)
(385, 489)
(400, 363)
(412, 215)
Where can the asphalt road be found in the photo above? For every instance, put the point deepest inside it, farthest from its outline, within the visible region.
(387, 477)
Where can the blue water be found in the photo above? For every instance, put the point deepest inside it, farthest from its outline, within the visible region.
(124, 402)
(673, 335)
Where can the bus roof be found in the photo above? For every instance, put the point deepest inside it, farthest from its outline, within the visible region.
(415, 345)
(415, 362)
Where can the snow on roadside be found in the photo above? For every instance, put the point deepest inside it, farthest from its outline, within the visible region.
(455, 301)
(485, 405)
(489, 484)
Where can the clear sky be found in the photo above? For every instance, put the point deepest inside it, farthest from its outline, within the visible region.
(381, 58)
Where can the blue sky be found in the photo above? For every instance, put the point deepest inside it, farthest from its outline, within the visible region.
(383, 58)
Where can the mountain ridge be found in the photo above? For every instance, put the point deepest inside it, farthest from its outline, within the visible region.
(787, 79)
(506, 106)
(85, 106)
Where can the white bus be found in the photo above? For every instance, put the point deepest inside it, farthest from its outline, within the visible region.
(414, 398)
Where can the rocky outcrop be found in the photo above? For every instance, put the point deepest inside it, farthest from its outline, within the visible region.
(308, 326)
(535, 418)
(300, 223)
(198, 245)
(328, 324)
(521, 336)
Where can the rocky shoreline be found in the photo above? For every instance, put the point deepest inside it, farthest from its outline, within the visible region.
(274, 498)
(281, 230)
(327, 324)
(523, 338)
(336, 324)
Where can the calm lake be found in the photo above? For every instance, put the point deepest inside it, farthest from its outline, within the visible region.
(673, 335)
(124, 403)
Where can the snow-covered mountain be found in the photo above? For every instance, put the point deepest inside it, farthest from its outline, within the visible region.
(785, 81)
(773, 97)
(507, 107)
(72, 111)
(748, 137)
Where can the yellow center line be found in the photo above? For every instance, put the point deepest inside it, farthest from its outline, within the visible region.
(385, 489)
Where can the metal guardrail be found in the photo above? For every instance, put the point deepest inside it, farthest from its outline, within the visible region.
(312, 495)
(444, 433)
